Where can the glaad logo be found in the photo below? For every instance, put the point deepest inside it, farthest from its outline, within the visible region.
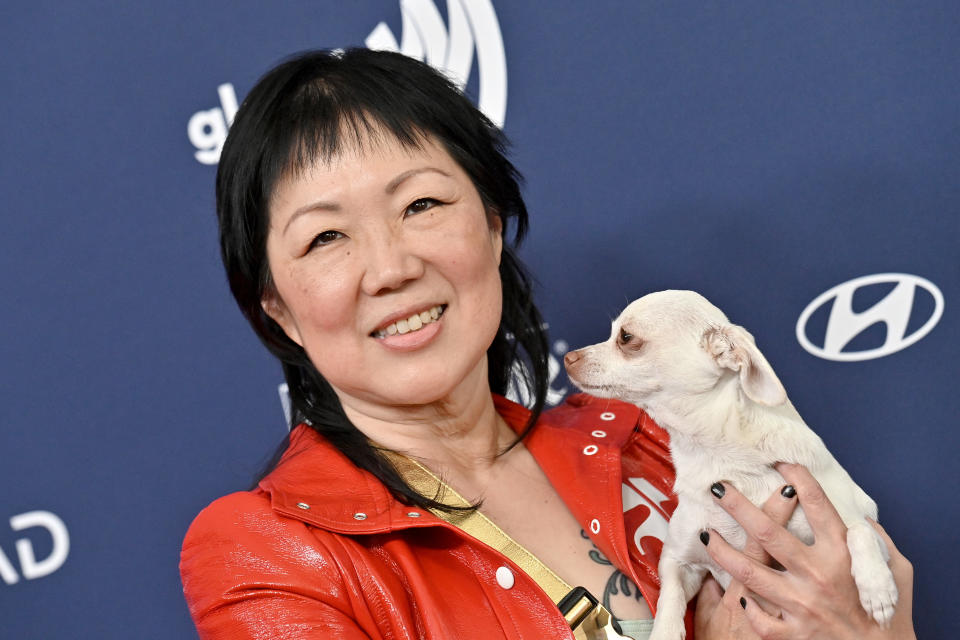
(473, 27)
(425, 38)
(29, 566)
(844, 324)
(207, 129)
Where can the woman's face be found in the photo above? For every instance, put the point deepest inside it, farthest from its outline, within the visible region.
(366, 252)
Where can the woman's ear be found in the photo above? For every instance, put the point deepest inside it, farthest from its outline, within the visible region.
(274, 307)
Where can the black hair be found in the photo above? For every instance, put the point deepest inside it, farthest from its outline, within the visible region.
(310, 108)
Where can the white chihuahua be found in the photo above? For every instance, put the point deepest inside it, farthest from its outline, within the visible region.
(676, 356)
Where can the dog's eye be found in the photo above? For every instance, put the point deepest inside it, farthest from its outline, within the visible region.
(625, 337)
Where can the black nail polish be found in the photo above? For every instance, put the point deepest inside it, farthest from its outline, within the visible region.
(717, 489)
(743, 602)
(704, 537)
(788, 491)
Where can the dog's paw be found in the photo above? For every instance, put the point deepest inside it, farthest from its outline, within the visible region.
(878, 590)
(878, 595)
(663, 630)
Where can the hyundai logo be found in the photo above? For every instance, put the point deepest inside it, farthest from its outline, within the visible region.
(844, 324)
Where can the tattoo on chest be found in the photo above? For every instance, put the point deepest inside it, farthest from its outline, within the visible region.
(618, 583)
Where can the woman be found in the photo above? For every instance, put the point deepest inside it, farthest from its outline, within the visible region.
(364, 205)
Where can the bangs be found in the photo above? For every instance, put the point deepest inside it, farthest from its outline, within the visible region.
(327, 128)
(339, 109)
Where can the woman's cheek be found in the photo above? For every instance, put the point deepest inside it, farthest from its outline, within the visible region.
(469, 250)
(326, 296)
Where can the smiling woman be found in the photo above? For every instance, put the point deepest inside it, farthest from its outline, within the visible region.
(306, 138)
(401, 231)
(365, 207)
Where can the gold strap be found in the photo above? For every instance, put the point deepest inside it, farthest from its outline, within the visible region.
(588, 619)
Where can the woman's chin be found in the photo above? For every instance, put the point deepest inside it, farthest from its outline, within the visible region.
(422, 392)
(422, 387)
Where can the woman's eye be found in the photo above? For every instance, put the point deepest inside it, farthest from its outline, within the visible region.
(421, 205)
(325, 237)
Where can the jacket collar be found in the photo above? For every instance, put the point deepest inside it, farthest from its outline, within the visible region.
(317, 484)
(314, 482)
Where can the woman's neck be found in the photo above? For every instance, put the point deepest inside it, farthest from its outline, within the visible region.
(458, 437)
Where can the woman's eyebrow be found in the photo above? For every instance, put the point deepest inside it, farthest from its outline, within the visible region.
(396, 182)
(320, 205)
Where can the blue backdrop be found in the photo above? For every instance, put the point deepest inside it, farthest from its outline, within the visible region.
(772, 156)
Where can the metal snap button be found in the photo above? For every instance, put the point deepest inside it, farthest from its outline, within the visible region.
(599, 433)
(303, 505)
(359, 516)
(608, 416)
(505, 577)
(413, 514)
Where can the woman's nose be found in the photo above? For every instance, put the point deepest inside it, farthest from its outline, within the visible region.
(389, 265)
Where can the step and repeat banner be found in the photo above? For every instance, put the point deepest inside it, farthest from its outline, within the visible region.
(797, 163)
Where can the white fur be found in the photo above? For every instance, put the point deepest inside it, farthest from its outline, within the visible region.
(703, 379)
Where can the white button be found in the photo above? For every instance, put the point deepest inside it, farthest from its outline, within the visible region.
(505, 577)
(598, 434)
(589, 450)
(608, 416)
(595, 525)
(360, 516)
(413, 514)
(303, 505)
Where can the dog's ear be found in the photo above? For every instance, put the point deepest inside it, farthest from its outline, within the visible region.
(732, 347)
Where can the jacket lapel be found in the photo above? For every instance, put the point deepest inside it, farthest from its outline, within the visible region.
(579, 446)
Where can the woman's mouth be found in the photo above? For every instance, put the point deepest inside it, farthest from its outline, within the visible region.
(414, 323)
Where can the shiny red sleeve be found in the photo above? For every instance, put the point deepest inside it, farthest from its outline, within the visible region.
(249, 573)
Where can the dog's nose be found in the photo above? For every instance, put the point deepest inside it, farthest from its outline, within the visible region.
(571, 358)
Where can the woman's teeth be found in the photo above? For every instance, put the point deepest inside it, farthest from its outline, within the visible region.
(413, 323)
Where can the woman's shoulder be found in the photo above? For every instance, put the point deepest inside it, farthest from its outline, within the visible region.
(247, 520)
(241, 558)
(302, 498)
(243, 531)
(239, 542)
(262, 524)
(230, 515)
(241, 521)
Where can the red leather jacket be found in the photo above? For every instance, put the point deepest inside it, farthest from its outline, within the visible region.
(322, 550)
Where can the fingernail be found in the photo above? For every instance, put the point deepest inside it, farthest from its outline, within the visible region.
(704, 537)
(788, 491)
(743, 602)
(717, 489)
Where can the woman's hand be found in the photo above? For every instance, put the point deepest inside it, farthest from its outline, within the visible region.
(815, 596)
(719, 614)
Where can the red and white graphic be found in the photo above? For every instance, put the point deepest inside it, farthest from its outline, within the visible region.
(650, 511)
